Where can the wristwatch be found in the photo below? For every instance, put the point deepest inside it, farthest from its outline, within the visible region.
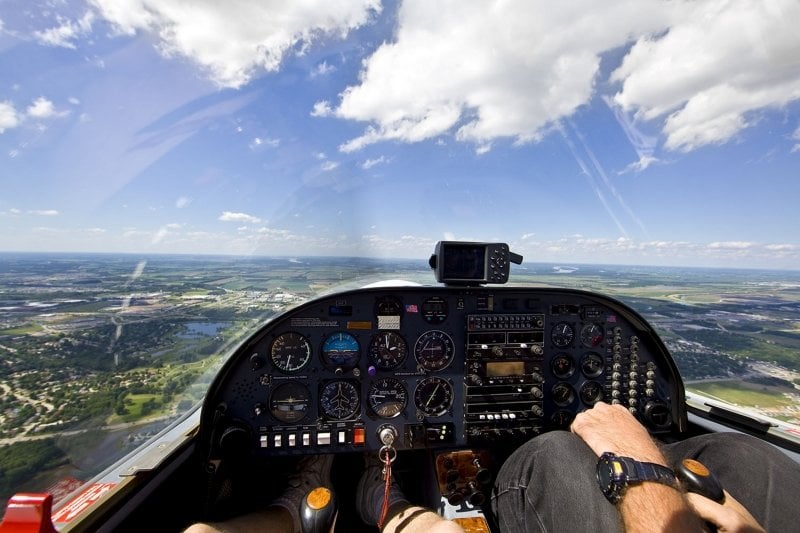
(615, 473)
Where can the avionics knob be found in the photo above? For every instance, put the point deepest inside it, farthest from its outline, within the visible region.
(475, 379)
(537, 377)
(536, 392)
(482, 475)
(476, 497)
(537, 410)
(537, 350)
(497, 351)
(657, 413)
(455, 498)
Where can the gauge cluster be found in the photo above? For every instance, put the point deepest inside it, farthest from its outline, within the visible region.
(443, 366)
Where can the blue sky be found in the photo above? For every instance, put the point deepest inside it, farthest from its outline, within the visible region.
(651, 132)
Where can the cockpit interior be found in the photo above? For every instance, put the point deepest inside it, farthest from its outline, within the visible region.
(446, 380)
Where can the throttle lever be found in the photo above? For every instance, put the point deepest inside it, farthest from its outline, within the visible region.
(696, 477)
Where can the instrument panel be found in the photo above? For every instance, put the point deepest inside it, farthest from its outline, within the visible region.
(437, 367)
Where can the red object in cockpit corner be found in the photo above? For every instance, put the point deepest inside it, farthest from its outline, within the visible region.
(28, 513)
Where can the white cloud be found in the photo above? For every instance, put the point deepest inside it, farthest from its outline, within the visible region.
(182, 202)
(642, 164)
(44, 212)
(503, 72)
(9, 118)
(235, 40)
(44, 108)
(795, 137)
(262, 142)
(66, 32)
(369, 163)
(720, 61)
(327, 166)
(731, 245)
(322, 109)
(322, 69)
(228, 216)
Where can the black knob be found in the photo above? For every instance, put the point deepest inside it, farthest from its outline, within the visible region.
(657, 414)
(455, 498)
(476, 497)
(695, 477)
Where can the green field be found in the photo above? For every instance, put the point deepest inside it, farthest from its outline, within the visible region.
(741, 393)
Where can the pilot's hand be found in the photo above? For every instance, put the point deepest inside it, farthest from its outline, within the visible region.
(612, 428)
(728, 516)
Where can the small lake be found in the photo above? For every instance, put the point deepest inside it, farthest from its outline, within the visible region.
(203, 329)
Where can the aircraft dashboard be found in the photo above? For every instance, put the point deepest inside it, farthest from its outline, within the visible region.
(437, 367)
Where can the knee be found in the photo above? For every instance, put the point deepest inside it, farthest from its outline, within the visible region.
(546, 454)
(556, 445)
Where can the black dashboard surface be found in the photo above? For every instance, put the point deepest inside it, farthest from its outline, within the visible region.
(437, 367)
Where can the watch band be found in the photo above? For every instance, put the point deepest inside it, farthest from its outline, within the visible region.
(615, 474)
(639, 471)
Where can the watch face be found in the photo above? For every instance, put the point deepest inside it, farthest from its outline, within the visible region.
(609, 474)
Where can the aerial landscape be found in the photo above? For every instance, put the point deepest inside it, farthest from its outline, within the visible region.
(111, 348)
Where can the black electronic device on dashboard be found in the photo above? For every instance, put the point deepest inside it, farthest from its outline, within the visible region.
(472, 263)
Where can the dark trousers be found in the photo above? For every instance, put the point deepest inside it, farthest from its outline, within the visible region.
(549, 483)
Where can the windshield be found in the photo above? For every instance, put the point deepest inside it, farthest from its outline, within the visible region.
(175, 173)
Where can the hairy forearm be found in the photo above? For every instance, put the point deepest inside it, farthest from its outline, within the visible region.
(654, 507)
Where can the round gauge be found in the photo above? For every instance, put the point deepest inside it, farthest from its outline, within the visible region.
(433, 396)
(434, 310)
(290, 352)
(591, 393)
(563, 394)
(387, 350)
(563, 366)
(289, 402)
(340, 350)
(592, 335)
(388, 306)
(434, 350)
(562, 418)
(562, 334)
(387, 397)
(339, 400)
(592, 365)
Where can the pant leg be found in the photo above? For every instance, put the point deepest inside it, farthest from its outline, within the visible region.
(759, 476)
(549, 484)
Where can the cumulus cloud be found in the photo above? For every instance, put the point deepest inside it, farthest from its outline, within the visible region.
(43, 108)
(9, 118)
(234, 41)
(327, 166)
(501, 72)
(228, 216)
(717, 63)
(66, 32)
(697, 70)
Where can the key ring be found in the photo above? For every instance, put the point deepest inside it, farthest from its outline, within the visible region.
(390, 454)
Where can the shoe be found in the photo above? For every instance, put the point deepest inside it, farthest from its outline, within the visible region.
(369, 494)
(311, 471)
